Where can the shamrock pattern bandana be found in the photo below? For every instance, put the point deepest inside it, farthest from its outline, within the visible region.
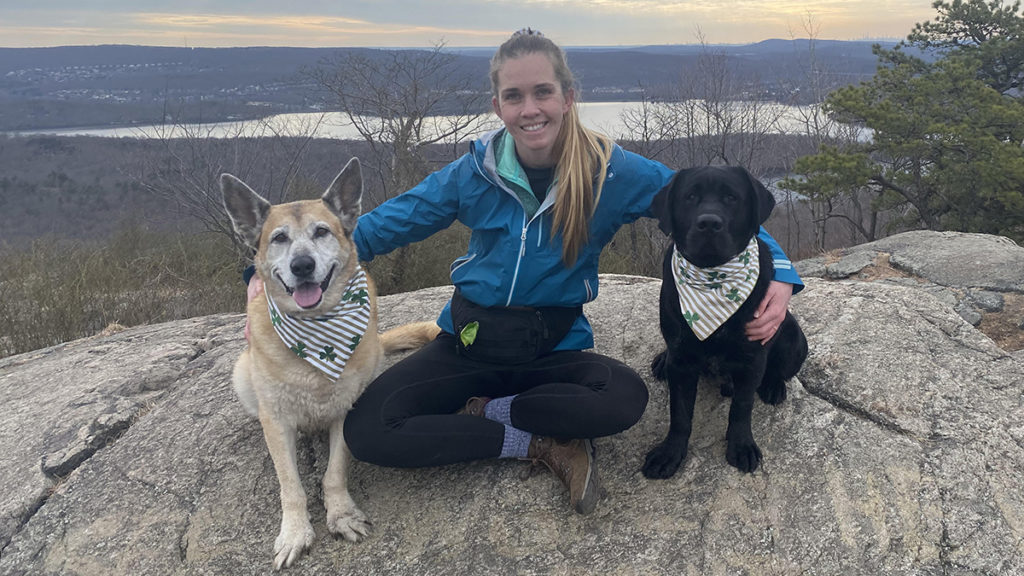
(327, 342)
(709, 296)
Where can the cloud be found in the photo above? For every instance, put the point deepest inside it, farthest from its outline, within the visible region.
(455, 22)
(324, 30)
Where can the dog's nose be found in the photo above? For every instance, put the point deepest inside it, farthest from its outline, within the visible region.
(303, 266)
(709, 223)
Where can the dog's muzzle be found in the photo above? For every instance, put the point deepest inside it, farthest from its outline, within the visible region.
(709, 223)
(308, 293)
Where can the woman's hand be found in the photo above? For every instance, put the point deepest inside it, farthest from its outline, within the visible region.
(251, 291)
(770, 313)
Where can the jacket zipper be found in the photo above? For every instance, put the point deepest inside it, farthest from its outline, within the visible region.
(526, 225)
(519, 261)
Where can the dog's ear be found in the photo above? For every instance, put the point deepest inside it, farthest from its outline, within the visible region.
(344, 196)
(247, 209)
(762, 201)
(661, 205)
(765, 200)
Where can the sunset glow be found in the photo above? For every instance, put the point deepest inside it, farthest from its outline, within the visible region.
(418, 24)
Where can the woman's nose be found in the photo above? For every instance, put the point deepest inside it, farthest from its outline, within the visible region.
(530, 106)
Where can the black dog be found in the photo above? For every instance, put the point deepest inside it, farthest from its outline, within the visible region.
(713, 215)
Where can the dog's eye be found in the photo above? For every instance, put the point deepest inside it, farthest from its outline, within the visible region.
(729, 199)
(321, 231)
(279, 237)
(692, 197)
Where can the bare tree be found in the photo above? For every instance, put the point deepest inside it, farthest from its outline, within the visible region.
(723, 116)
(820, 129)
(269, 154)
(401, 102)
(652, 127)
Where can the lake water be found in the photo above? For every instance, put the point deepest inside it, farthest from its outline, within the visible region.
(603, 116)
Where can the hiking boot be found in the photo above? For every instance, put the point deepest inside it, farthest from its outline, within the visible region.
(474, 406)
(573, 462)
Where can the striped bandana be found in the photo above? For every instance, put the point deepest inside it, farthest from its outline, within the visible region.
(709, 296)
(327, 342)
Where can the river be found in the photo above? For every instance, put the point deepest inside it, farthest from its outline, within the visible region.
(606, 117)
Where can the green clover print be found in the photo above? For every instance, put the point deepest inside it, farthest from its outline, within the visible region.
(362, 297)
(714, 280)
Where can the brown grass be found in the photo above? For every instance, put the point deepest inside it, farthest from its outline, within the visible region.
(54, 291)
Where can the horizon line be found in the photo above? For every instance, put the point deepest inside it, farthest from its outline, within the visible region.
(448, 47)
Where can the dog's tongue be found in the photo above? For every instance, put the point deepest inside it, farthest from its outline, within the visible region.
(307, 295)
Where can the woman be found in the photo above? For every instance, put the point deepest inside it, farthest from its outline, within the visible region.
(508, 377)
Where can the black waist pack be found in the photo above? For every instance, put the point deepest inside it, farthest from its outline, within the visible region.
(509, 335)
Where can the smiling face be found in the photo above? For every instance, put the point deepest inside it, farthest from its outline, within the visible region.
(531, 103)
(303, 255)
(304, 250)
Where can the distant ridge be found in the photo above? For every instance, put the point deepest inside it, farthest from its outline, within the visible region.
(68, 86)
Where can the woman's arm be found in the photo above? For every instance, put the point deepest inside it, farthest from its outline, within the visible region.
(785, 282)
(784, 271)
(430, 206)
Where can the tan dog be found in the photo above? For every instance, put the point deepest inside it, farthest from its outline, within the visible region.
(310, 272)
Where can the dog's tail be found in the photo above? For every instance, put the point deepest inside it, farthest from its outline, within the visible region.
(408, 336)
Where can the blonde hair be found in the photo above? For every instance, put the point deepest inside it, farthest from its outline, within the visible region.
(582, 154)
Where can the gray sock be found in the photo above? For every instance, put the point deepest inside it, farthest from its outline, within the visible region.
(499, 410)
(516, 443)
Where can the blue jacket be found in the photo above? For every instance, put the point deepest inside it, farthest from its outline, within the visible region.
(511, 261)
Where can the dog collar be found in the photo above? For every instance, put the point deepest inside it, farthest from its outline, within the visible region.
(710, 296)
(326, 342)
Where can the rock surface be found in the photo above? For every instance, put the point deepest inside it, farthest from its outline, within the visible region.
(898, 451)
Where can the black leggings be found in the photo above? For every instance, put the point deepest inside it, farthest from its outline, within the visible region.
(405, 418)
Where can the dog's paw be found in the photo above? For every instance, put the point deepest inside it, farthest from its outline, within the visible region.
(745, 456)
(663, 461)
(294, 538)
(348, 522)
(659, 366)
(773, 394)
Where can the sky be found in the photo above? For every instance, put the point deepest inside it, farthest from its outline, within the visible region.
(403, 23)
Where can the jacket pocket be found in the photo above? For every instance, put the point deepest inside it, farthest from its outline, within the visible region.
(459, 263)
(590, 292)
